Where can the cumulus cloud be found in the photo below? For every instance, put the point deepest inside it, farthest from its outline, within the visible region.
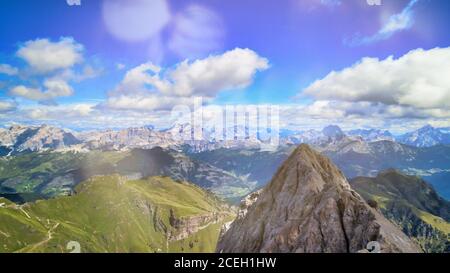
(53, 65)
(53, 88)
(196, 32)
(395, 23)
(45, 56)
(136, 20)
(148, 85)
(419, 79)
(233, 69)
(85, 73)
(8, 70)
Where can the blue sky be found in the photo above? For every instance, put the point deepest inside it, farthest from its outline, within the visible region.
(66, 62)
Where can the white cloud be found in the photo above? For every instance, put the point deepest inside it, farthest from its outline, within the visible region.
(7, 106)
(85, 73)
(53, 88)
(206, 77)
(196, 31)
(419, 79)
(160, 88)
(8, 70)
(351, 115)
(61, 112)
(313, 116)
(136, 20)
(45, 56)
(395, 23)
(53, 65)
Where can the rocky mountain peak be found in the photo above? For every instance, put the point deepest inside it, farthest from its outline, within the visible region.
(310, 207)
(333, 131)
(36, 138)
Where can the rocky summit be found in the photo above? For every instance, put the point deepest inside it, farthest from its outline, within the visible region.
(310, 207)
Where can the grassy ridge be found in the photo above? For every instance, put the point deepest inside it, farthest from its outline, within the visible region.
(110, 214)
(412, 204)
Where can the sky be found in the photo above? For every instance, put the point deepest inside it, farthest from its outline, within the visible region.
(89, 64)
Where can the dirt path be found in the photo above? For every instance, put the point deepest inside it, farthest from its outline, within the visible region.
(49, 237)
(5, 234)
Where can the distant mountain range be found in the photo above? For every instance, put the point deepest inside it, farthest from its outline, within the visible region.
(426, 137)
(356, 152)
(21, 139)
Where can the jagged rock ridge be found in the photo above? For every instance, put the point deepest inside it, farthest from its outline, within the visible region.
(310, 207)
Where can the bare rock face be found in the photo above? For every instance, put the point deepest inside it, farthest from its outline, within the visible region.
(247, 202)
(310, 207)
(36, 138)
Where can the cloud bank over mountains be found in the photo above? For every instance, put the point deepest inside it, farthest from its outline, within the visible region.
(385, 92)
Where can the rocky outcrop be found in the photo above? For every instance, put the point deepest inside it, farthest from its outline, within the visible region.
(411, 203)
(186, 226)
(309, 207)
(247, 202)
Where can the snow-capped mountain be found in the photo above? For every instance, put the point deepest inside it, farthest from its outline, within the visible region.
(426, 136)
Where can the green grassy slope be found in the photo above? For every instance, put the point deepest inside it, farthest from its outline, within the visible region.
(110, 214)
